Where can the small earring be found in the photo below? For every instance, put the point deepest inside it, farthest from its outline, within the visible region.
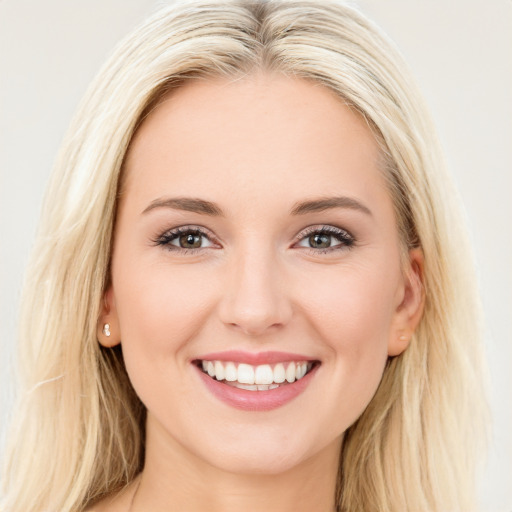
(106, 329)
(403, 338)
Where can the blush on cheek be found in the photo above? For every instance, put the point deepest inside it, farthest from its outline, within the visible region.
(354, 319)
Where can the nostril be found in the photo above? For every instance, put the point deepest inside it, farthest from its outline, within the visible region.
(254, 323)
(255, 303)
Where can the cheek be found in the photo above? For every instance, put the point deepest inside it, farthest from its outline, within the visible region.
(352, 312)
(160, 310)
(160, 303)
(353, 303)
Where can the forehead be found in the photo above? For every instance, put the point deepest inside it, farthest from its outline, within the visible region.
(261, 137)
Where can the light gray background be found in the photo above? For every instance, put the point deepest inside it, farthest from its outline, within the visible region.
(460, 52)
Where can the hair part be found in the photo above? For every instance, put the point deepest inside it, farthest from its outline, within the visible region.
(414, 446)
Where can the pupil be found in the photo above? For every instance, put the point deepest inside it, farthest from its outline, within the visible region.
(320, 241)
(190, 241)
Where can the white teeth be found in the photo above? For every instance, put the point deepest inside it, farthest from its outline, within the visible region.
(290, 373)
(301, 370)
(249, 387)
(245, 374)
(231, 373)
(263, 374)
(261, 377)
(279, 373)
(254, 387)
(219, 371)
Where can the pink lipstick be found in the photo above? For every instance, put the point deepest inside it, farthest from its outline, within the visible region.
(255, 381)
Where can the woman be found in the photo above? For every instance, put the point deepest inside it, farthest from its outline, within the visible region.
(249, 289)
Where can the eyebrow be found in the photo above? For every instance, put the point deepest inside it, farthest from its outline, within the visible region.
(326, 203)
(189, 204)
(201, 206)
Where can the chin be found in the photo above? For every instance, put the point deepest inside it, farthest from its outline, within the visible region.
(257, 463)
(260, 452)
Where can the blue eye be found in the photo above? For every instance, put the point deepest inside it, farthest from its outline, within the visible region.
(325, 239)
(185, 238)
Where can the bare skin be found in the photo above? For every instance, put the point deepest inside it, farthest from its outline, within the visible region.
(269, 270)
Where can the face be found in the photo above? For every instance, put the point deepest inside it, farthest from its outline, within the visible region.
(255, 230)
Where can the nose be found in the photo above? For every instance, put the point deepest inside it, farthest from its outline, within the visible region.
(254, 300)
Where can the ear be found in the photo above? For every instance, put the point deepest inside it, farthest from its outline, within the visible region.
(411, 304)
(108, 323)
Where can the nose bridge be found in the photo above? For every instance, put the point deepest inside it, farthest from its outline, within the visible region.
(255, 299)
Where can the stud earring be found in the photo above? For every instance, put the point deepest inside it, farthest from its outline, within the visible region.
(403, 338)
(106, 329)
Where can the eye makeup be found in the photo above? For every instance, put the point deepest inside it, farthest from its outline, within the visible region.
(318, 239)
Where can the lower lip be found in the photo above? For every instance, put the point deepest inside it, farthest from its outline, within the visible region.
(256, 400)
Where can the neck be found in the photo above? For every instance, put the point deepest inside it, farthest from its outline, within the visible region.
(174, 479)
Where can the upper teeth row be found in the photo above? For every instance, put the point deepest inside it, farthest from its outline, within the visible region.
(262, 374)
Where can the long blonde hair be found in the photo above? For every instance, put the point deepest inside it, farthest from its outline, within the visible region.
(79, 431)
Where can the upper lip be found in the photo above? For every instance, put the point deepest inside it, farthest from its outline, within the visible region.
(254, 358)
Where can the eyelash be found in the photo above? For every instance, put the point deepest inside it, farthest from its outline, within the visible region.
(169, 236)
(347, 241)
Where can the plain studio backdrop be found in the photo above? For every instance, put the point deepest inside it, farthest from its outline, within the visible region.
(461, 54)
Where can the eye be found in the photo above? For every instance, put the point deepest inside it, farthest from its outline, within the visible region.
(325, 239)
(185, 238)
(189, 240)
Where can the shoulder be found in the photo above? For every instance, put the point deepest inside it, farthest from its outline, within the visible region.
(109, 504)
(117, 502)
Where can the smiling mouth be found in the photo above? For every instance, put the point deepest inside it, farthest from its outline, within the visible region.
(262, 377)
